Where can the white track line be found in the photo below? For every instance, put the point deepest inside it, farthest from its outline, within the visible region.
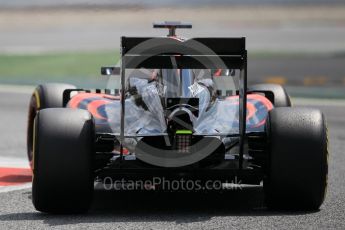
(15, 187)
(12, 162)
(20, 89)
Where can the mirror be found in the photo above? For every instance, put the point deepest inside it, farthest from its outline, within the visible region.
(110, 70)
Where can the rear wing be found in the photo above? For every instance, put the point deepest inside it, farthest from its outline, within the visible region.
(196, 53)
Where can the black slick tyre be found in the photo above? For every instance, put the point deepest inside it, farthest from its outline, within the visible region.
(63, 156)
(297, 166)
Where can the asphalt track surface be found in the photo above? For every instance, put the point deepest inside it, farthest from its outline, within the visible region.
(241, 208)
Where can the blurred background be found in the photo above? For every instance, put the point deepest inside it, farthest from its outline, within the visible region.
(297, 43)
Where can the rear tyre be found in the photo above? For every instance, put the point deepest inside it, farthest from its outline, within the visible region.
(44, 96)
(298, 159)
(281, 97)
(63, 156)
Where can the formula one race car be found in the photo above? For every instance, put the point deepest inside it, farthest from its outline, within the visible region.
(182, 110)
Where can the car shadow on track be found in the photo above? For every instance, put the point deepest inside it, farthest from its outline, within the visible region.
(153, 206)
